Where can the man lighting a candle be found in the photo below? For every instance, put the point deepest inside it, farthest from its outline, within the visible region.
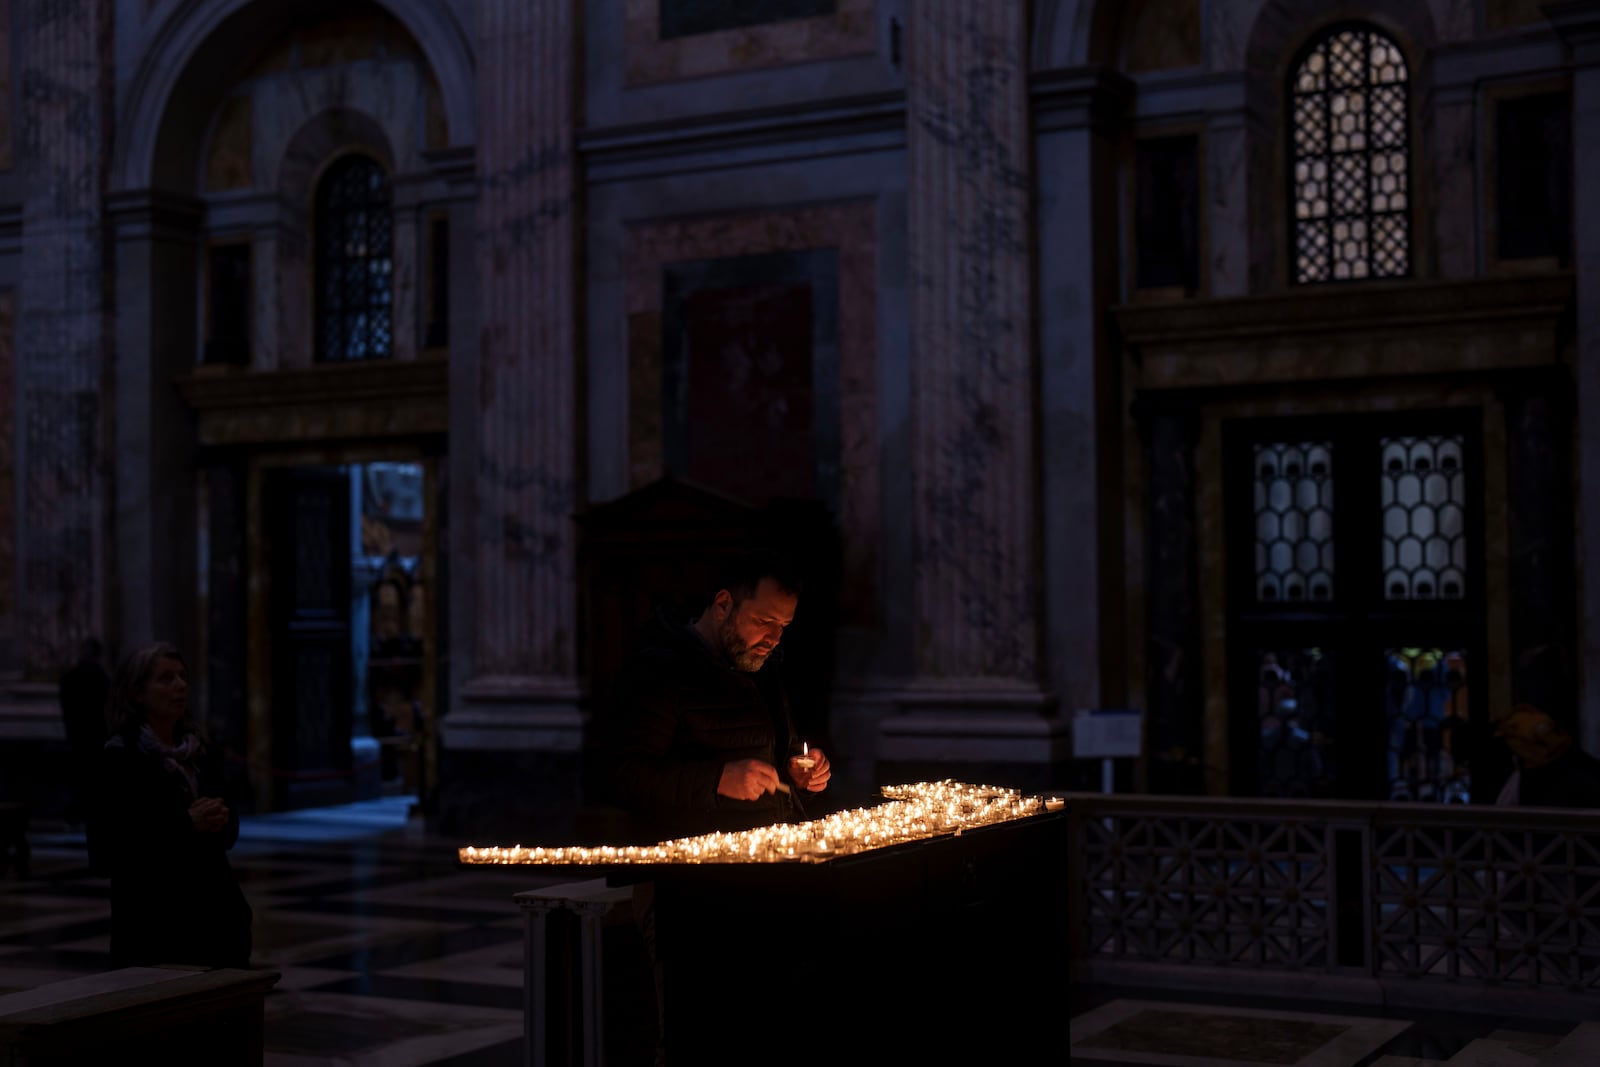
(705, 719)
(707, 740)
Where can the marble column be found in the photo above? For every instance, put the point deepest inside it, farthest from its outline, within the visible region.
(1539, 429)
(1578, 23)
(154, 495)
(1078, 118)
(1234, 136)
(976, 695)
(1455, 181)
(1175, 742)
(520, 700)
(61, 371)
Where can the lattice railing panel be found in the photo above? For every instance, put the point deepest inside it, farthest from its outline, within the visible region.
(1501, 905)
(1207, 890)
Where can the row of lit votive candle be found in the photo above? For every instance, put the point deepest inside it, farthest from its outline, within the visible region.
(913, 812)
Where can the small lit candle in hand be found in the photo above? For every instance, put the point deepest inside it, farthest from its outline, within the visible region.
(804, 760)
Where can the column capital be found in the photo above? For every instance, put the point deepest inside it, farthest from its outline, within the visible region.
(1096, 97)
(1578, 24)
(153, 213)
(456, 166)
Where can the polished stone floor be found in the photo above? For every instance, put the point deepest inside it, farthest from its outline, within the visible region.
(391, 953)
(1220, 1029)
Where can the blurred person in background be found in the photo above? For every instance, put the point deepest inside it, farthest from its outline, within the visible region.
(167, 822)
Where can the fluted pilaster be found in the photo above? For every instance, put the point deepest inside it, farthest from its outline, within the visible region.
(972, 383)
(1578, 23)
(63, 58)
(523, 679)
(974, 696)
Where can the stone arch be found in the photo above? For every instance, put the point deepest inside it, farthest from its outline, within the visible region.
(328, 136)
(1283, 27)
(1072, 33)
(1279, 32)
(318, 142)
(193, 56)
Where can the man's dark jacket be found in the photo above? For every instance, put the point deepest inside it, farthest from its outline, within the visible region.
(684, 713)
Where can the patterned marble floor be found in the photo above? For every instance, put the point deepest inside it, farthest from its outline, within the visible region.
(391, 954)
(1170, 1029)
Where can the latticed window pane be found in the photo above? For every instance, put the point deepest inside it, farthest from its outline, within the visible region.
(354, 227)
(1424, 494)
(1294, 521)
(1294, 713)
(1351, 165)
(1426, 704)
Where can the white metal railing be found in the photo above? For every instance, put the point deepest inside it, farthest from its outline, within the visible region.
(1500, 897)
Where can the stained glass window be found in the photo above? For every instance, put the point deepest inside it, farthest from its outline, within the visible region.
(355, 271)
(1294, 521)
(1428, 716)
(1294, 717)
(1350, 164)
(1424, 494)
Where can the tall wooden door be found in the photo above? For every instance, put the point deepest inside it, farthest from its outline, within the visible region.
(308, 519)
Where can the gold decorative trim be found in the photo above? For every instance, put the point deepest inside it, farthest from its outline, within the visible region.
(314, 404)
(1346, 331)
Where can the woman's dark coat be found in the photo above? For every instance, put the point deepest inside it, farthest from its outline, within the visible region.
(174, 895)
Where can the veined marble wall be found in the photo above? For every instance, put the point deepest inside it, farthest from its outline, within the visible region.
(60, 352)
(5, 85)
(8, 459)
(655, 54)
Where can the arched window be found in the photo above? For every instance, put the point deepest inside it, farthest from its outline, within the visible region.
(355, 269)
(1351, 163)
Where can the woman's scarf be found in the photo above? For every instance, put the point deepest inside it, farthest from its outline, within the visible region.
(179, 758)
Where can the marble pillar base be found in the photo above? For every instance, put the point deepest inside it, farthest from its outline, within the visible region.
(512, 762)
(29, 711)
(516, 712)
(1000, 734)
(510, 796)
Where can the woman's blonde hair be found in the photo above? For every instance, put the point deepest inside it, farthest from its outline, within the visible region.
(126, 714)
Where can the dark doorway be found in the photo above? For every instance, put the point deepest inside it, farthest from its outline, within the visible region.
(308, 516)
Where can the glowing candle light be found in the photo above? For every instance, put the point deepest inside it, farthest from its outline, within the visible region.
(909, 813)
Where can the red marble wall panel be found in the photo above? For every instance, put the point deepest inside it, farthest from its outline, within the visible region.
(849, 228)
(750, 396)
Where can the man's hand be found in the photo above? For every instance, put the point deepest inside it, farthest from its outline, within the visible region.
(814, 780)
(208, 814)
(747, 779)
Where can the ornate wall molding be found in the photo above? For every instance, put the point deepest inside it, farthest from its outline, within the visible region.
(1333, 333)
(319, 404)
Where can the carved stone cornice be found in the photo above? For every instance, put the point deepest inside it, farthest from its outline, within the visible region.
(866, 123)
(349, 401)
(1071, 98)
(1335, 332)
(154, 213)
(1578, 24)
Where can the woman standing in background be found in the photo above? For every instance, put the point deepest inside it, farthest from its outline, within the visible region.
(167, 825)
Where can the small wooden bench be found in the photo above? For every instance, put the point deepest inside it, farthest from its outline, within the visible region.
(165, 1015)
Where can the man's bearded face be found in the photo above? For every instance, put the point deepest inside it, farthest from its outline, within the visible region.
(753, 626)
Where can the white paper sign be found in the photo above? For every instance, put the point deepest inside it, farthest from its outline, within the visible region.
(1105, 733)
